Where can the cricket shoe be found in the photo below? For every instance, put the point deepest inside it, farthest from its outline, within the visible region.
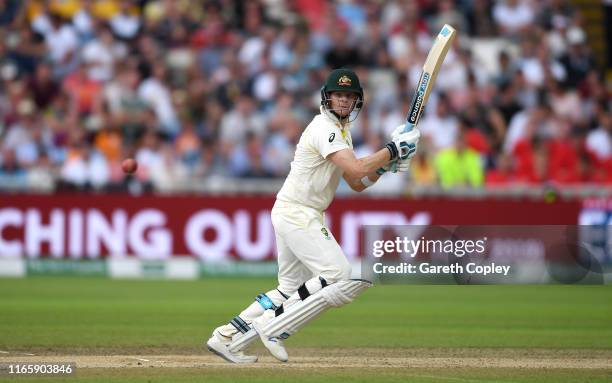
(218, 344)
(273, 344)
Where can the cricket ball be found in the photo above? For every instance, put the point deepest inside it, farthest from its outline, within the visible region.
(129, 165)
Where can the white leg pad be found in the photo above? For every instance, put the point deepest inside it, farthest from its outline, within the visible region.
(335, 295)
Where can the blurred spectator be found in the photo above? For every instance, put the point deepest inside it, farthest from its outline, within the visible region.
(599, 140)
(126, 22)
(459, 165)
(188, 146)
(502, 174)
(513, 16)
(341, 53)
(440, 126)
(101, 53)
(531, 156)
(239, 122)
(83, 20)
(155, 93)
(534, 121)
(22, 137)
(108, 142)
(212, 163)
(577, 61)
(61, 40)
(480, 21)
(25, 48)
(9, 167)
(280, 146)
(506, 101)
(447, 13)
(9, 10)
(423, 169)
(148, 155)
(43, 86)
(246, 159)
(85, 93)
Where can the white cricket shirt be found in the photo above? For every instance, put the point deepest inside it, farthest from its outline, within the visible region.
(313, 179)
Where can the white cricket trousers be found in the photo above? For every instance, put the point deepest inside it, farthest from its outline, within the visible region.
(306, 247)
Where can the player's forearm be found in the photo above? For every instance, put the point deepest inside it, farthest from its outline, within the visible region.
(360, 184)
(368, 165)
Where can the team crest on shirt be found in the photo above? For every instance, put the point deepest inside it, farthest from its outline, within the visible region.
(344, 81)
(331, 137)
(325, 233)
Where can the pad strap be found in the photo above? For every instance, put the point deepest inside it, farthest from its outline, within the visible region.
(303, 292)
(265, 302)
(240, 324)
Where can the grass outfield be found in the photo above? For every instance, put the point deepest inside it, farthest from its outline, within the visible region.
(391, 333)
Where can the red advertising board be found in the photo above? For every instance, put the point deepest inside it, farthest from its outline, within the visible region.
(213, 228)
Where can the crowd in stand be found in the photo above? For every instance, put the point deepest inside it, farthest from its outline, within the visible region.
(200, 89)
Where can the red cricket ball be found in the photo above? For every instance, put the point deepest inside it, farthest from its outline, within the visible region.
(129, 165)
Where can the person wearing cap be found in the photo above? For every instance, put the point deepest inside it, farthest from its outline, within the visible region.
(309, 257)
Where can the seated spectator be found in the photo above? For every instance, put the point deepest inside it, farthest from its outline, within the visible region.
(246, 159)
(101, 53)
(43, 86)
(126, 22)
(239, 122)
(513, 16)
(211, 162)
(188, 146)
(423, 170)
(502, 173)
(280, 147)
(440, 126)
(480, 19)
(599, 140)
(83, 20)
(108, 141)
(85, 93)
(563, 161)
(460, 165)
(62, 43)
(23, 136)
(9, 166)
(154, 91)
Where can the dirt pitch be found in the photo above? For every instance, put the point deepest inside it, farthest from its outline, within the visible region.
(333, 358)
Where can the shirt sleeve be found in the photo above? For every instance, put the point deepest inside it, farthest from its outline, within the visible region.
(328, 140)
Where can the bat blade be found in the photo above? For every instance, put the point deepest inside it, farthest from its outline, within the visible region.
(431, 67)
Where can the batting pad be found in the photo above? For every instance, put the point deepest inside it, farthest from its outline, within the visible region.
(335, 295)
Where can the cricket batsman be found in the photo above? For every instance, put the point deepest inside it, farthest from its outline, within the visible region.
(313, 272)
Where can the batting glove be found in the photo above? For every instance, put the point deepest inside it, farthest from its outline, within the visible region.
(403, 147)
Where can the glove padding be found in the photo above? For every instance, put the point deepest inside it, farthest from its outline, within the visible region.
(410, 141)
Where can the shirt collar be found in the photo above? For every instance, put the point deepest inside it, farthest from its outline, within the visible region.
(335, 119)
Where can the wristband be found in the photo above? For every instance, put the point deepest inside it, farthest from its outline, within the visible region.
(366, 182)
(381, 171)
(392, 151)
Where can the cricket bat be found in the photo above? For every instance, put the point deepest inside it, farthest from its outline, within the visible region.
(432, 65)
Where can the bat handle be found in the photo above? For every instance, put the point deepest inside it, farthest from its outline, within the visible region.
(408, 127)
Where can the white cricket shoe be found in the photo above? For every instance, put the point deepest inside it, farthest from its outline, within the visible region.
(218, 343)
(273, 344)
